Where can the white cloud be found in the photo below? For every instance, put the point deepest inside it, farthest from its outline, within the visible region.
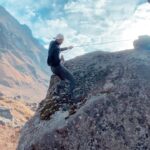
(87, 21)
(109, 23)
(139, 23)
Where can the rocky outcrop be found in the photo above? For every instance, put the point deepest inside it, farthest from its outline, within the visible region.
(116, 115)
(143, 42)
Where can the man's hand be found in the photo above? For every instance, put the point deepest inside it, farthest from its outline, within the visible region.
(70, 47)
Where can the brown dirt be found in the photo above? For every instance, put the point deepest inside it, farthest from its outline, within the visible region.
(8, 137)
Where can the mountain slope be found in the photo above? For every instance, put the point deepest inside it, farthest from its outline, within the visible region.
(23, 61)
(115, 115)
(13, 115)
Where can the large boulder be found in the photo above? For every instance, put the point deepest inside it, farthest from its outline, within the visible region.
(116, 115)
(143, 42)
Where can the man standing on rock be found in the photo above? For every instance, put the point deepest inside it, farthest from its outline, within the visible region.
(57, 68)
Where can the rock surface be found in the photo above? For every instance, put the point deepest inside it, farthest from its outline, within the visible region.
(116, 115)
(5, 116)
(143, 42)
(6, 113)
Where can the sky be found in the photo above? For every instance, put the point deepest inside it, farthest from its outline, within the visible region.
(84, 22)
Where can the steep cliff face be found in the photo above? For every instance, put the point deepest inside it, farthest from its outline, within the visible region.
(23, 68)
(116, 115)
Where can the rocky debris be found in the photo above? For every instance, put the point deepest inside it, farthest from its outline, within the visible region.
(5, 116)
(115, 115)
(13, 115)
(33, 106)
(18, 97)
(6, 113)
(143, 42)
(1, 96)
(4, 121)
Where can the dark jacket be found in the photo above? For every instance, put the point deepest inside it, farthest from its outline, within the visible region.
(53, 54)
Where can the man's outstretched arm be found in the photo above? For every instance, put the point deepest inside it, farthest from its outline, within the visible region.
(66, 48)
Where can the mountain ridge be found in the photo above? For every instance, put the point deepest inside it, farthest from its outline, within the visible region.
(23, 60)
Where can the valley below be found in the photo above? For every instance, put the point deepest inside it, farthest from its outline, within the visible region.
(13, 115)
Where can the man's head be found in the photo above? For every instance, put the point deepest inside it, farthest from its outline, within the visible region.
(59, 38)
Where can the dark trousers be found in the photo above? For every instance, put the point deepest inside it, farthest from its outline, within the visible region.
(64, 74)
